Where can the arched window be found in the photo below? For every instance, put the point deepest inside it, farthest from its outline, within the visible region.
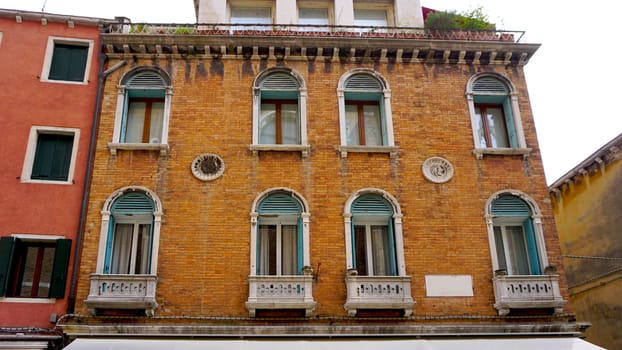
(143, 107)
(279, 110)
(493, 104)
(279, 234)
(515, 233)
(130, 233)
(373, 225)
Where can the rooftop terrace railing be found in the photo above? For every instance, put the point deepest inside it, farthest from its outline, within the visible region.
(289, 30)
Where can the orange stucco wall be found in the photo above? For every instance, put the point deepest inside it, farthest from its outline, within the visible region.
(29, 208)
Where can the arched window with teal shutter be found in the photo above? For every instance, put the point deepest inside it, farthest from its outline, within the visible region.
(515, 240)
(130, 235)
(373, 237)
(280, 237)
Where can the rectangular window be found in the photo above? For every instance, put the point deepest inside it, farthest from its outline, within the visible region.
(279, 122)
(131, 249)
(512, 249)
(316, 18)
(50, 155)
(67, 60)
(373, 250)
(144, 120)
(278, 250)
(251, 15)
(363, 124)
(492, 129)
(33, 269)
(370, 18)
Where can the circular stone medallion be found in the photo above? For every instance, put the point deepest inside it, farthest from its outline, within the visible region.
(437, 170)
(207, 166)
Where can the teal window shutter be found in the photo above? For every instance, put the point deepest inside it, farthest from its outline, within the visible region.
(60, 268)
(353, 238)
(510, 206)
(392, 259)
(52, 157)
(509, 123)
(299, 243)
(68, 62)
(532, 249)
(110, 239)
(7, 248)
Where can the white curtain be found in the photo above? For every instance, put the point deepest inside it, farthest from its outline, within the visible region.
(121, 249)
(289, 261)
(519, 261)
(264, 250)
(373, 127)
(352, 125)
(380, 250)
(496, 125)
(267, 124)
(289, 124)
(135, 122)
(157, 116)
(142, 249)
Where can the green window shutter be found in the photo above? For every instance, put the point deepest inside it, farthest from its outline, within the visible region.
(68, 62)
(510, 206)
(509, 123)
(392, 257)
(60, 268)
(371, 204)
(7, 247)
(133, 203)
(299, 249)
(279, 203)
(52, 157)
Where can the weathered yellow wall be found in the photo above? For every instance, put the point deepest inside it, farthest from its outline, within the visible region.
(204, 246)
(589, 219)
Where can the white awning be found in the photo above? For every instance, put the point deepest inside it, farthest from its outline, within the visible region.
(417, 344)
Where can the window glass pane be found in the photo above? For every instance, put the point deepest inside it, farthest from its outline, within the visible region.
(481, 132)
(251, 15)
(370, 18)
(68, 62)
(52, 157)
(518, 260)
(142, 249)
(37, 263)
(135, 122)
(121, 249)
(289, 240)
(500, 249)
(360, 244)
(290, 124)
(267, 124)
(380, 250)
(313, 16)
(267, 250)
(496, 125)
(373, 128)
(352, 125)
(155, 129)
(45, 274)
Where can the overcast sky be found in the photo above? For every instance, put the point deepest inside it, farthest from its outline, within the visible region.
(572, 77)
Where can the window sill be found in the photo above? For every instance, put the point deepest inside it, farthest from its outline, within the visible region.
(391, 150)
(47, 182)
(480, 152)
(162, 147)
(59, 81)
(303, 149)
(28, 300)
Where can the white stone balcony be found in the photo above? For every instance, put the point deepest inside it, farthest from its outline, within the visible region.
(527, 292)
(280, 292)
(122, 292)
(379, 292)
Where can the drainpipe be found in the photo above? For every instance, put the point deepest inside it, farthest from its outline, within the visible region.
(101, 78)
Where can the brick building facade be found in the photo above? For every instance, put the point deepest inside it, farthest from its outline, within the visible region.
(297, 182)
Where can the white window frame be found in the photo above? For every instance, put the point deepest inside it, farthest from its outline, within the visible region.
(304, 146)
(282, 220)
(387, 7)
(49, 54)
(479, 151)
(368, 222)
(232, 4)
(105, 226)
(397, 227)
(31, 150)
(254, 216)
(121, 110)
(386, 111)
(536, 219)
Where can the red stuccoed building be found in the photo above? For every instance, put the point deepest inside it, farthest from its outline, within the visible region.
(48, 65)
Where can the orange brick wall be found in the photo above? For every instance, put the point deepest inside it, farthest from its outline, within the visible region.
(204, 246)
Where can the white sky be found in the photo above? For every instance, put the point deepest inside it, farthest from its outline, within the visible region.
(571, 78)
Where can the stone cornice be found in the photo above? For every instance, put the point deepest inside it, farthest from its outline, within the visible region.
(394, 49)
(610, 152)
